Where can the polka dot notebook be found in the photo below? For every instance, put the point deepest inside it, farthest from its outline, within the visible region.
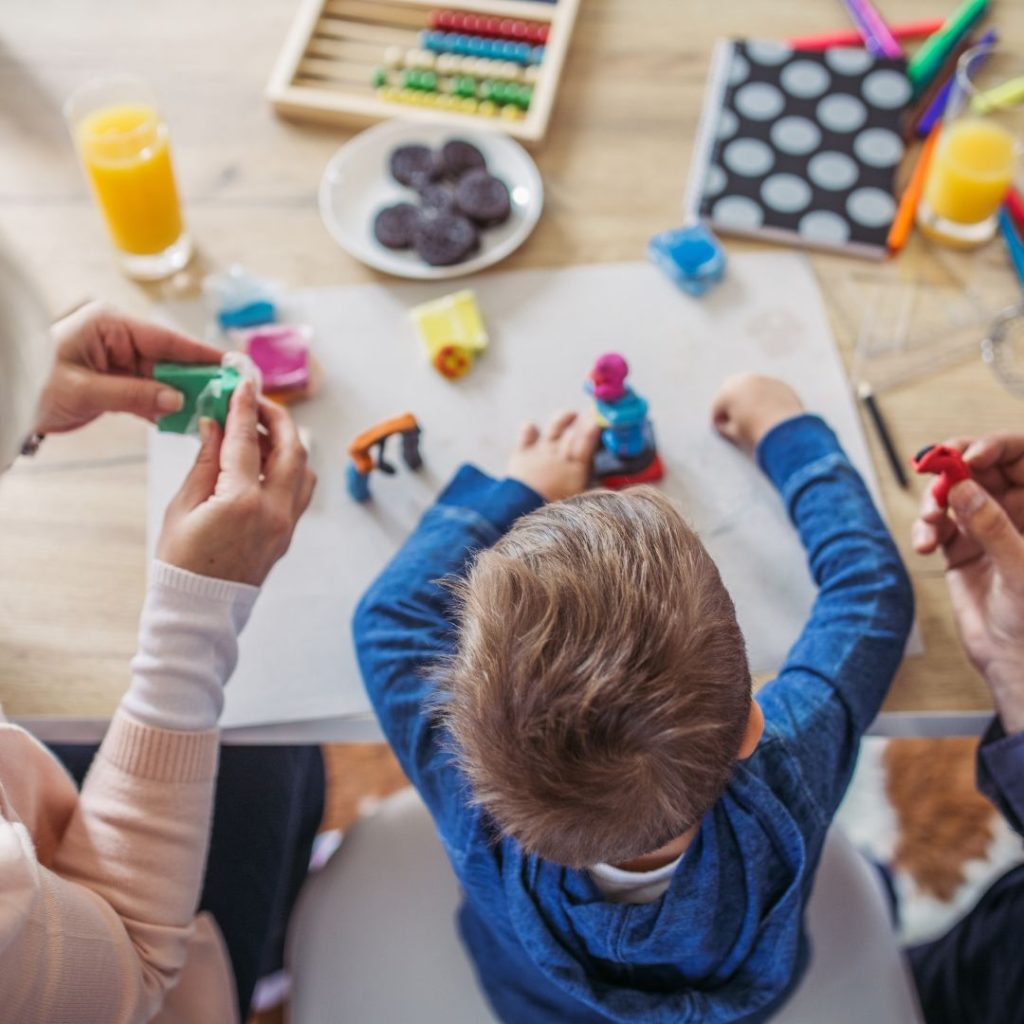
(801, 146)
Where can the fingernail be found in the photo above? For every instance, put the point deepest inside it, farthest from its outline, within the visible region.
(169, 400)
(966, 498)
(205, 428)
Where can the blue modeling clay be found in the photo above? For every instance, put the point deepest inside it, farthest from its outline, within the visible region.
(240, 299)
(691, 257)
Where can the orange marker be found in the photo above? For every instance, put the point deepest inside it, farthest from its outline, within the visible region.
(901, 226)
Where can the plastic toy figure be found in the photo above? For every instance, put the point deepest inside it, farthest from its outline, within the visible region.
(362, 463)
(948, 463)
(627, 454)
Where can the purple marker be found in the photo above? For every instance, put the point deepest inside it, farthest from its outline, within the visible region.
(938, 105)
(877, 37)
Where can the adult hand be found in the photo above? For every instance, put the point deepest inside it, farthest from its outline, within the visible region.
(556, 462)
(980, 537)
(748, 406)
(236, 512)
(104, 363)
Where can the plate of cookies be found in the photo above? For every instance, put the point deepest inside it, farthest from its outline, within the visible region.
(428, 201)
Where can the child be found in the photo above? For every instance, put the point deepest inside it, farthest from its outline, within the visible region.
(636, 837)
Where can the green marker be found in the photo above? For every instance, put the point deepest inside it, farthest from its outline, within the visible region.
(925, 64)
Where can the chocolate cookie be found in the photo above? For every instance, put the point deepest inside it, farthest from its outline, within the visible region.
(437, 197)
(459, 156)
(413, 165)
(484, 198)
(444, 238)
(394, 225)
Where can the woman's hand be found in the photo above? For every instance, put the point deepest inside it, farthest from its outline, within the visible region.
(984, 551)
(105, 363)
(236, 512)
(556, 462)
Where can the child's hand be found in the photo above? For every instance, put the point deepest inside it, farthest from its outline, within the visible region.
(556, 462)
(748, 405)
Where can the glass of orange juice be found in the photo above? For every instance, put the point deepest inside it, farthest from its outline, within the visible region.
(123, 143)
(978, 149)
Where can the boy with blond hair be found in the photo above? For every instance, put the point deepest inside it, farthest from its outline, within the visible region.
(563, 679)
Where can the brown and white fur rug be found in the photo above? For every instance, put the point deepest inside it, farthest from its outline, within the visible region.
(913, 805)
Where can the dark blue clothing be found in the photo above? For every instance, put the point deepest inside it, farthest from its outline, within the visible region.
(725, 942)
(267, 809)
(975, 972)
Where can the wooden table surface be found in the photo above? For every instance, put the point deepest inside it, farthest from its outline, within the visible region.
(72, 523)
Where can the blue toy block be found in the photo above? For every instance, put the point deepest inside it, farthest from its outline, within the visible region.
(691, 257)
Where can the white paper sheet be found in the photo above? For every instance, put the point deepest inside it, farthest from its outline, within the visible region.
(546, 328)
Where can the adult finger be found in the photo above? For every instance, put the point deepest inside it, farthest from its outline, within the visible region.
(286, 462)
(930, 511)
(201, 481)
(926, 536)
(240, 449)
(101, 392)
(528, 435)
(1004, 452)
(984, 520)
(156, 344)
(306, 491)
(558, 424)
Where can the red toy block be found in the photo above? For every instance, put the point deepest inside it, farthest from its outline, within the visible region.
(948, 463)
(652, 473)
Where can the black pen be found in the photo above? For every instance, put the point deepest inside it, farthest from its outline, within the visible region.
(867, 396)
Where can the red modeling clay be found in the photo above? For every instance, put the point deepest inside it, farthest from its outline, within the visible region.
(948, 463)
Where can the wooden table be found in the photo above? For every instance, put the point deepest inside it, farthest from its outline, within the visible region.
(72, 528)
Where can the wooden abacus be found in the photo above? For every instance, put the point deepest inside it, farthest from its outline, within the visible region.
(483, 63)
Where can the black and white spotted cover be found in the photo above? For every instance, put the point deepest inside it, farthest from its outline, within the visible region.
(801, 146)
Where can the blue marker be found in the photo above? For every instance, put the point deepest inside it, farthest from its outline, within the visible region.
(938, 105)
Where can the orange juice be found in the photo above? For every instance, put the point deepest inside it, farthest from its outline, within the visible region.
(127, 156)
(971, 171)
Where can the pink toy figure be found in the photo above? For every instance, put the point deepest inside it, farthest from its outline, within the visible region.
(609, 377)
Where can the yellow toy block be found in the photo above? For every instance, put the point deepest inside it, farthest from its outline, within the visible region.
(452, 331)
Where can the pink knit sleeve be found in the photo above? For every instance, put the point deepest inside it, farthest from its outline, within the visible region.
(101, 934)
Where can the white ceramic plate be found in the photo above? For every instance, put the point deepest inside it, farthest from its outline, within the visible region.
(356, 184)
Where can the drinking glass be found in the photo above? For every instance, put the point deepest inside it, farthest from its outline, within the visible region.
(978, 149)
(124, 146)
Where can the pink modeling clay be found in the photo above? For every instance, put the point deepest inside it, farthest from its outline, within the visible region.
(281, 351)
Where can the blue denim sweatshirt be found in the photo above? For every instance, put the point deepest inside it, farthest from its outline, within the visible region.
(725, 942)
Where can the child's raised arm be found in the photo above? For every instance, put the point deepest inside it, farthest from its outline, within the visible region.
(839, 671)
(403, 625)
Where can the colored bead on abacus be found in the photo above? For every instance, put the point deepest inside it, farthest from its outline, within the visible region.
(479, 46)
(498, 28)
